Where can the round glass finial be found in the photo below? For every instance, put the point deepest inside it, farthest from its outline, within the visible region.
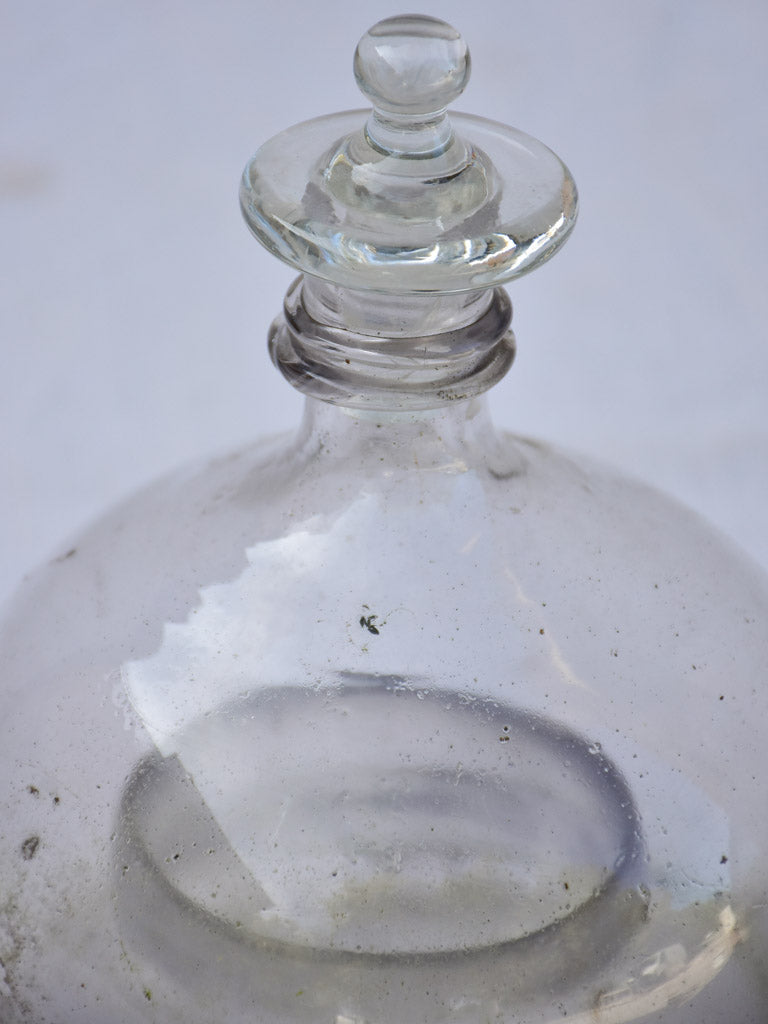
(412, 64)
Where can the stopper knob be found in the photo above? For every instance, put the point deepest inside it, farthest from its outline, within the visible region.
(412, 64)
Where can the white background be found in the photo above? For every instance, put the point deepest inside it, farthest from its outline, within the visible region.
(134, 304)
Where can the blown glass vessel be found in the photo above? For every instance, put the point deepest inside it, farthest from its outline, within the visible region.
(397, 718)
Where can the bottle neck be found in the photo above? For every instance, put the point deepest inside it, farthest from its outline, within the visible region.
(391, 353)
(391, 445)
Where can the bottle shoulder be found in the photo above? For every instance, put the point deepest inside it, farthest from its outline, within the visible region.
(531, 507)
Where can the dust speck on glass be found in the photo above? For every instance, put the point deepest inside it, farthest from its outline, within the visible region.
(397, 717)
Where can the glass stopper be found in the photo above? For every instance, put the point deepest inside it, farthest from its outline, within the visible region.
(405, 199)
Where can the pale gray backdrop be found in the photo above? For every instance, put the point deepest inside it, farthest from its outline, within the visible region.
(134, 304)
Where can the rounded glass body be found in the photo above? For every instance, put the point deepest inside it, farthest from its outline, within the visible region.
(396, 719)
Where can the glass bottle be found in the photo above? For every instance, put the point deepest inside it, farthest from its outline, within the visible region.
(399, 717)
